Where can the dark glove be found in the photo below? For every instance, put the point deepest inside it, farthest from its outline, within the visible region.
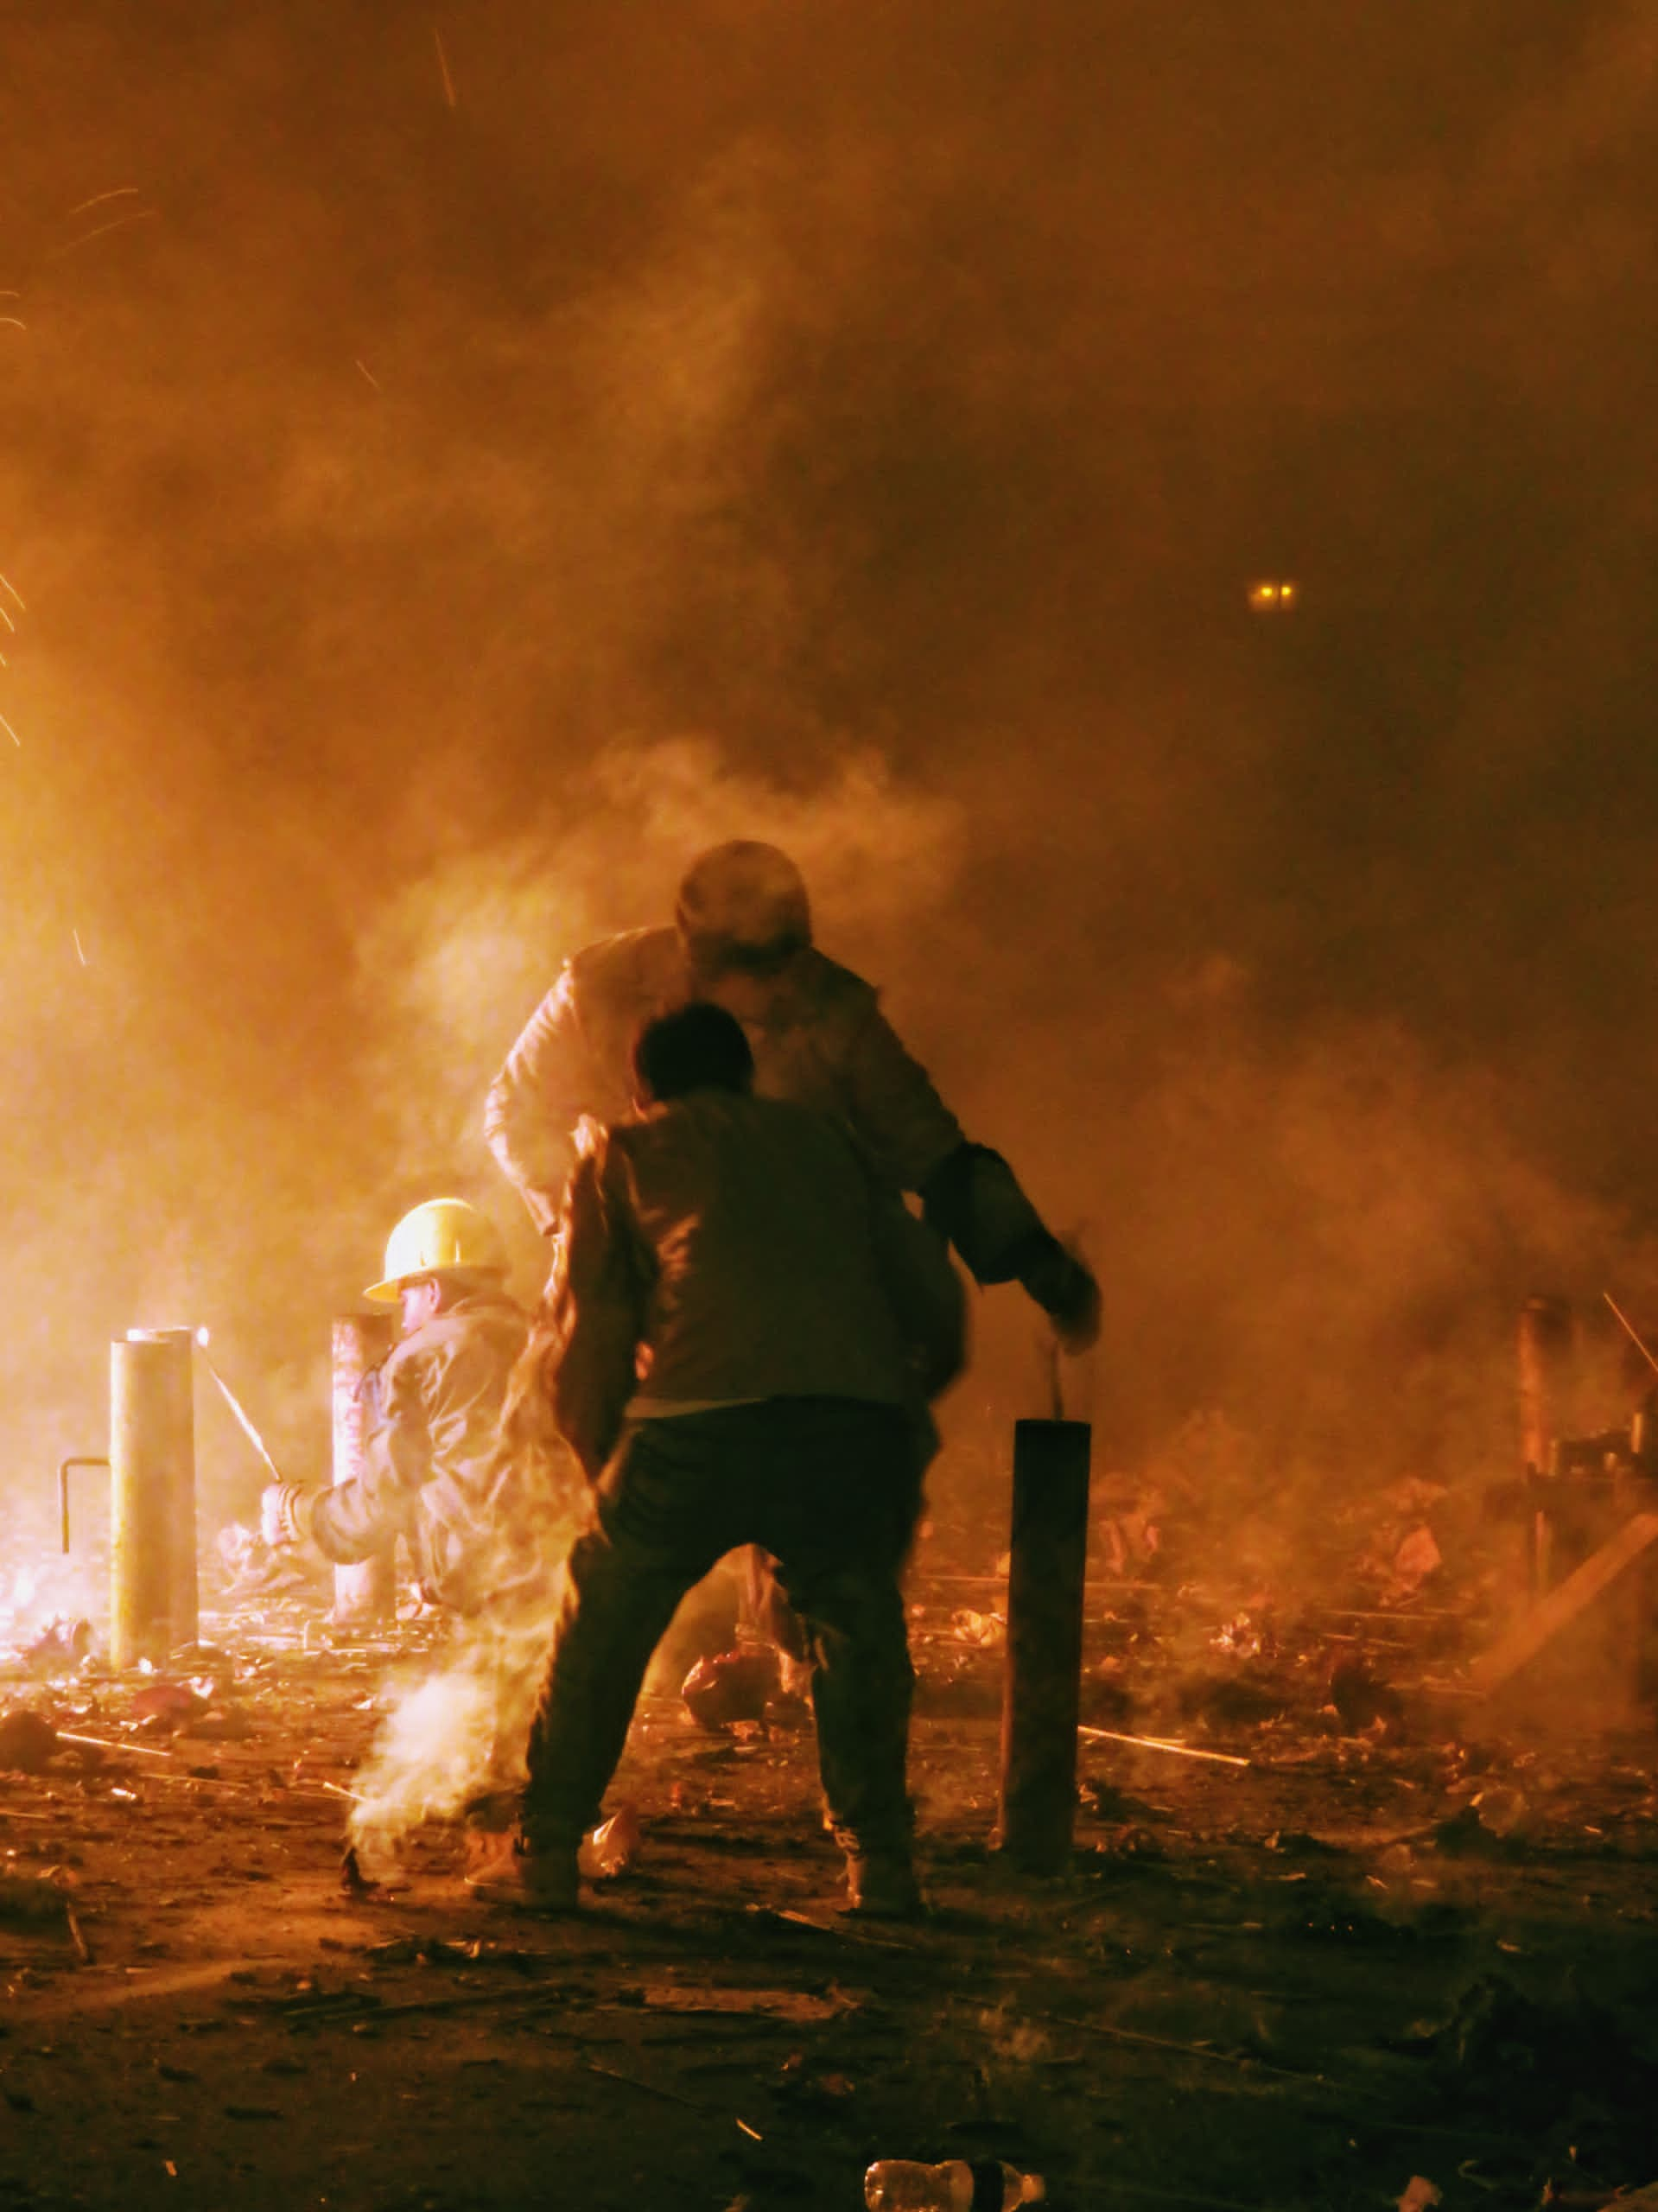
(1065, 1291)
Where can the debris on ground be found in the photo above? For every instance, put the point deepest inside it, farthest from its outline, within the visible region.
(612, 1847)
(732, 1686)
(29, 1742)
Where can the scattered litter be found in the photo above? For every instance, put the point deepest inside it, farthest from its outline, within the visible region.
(62, 1645)
(1361, 1700)
(734, 1686)
(167, 1701)
(27, 1742)
(32, 1896)
(612, 1848)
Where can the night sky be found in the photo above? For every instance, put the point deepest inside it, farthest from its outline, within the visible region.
(458, 463)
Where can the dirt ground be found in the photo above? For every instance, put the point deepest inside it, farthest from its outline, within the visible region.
(1379, 1956)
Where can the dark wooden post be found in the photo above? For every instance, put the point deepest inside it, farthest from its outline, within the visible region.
(1041, 1684)
(1546, 1345)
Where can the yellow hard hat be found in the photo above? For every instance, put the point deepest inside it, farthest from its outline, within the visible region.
(441, 1233)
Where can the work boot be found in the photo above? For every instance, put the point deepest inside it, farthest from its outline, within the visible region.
(881, 1886)
(534, 1881)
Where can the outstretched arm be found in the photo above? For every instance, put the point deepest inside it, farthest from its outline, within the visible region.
(354, 1519)
(970, 1194)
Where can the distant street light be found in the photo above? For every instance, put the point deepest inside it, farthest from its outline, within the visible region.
(1272, 596)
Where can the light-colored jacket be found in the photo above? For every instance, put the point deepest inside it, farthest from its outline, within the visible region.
(743, 1248)
(827, 1045)
(435, 1474)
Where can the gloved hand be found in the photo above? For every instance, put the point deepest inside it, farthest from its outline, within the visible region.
(281, 1513)
(1067, 1292)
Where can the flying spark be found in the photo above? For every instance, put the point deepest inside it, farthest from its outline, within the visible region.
(6, 584)
(7, 620)
(14, 323)
(120, 191)
(368, 372)
(80, 949)
(121, 222)
(11, 733)
(443, 64)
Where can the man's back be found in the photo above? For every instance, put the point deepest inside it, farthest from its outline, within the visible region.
(765, 1281)
(824, 1044)
(744, 1243)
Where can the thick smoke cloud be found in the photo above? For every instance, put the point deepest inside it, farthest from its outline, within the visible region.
(433, 521)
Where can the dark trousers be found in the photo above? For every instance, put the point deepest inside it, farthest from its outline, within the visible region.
(829, 1487)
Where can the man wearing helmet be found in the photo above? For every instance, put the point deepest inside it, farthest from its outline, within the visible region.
(435, 1474)
(742, 939)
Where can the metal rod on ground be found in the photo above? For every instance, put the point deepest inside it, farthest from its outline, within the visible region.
(104, 1743)
(1163, 1744)
(1042, 1676)
(152, 1496)
(368, 1591)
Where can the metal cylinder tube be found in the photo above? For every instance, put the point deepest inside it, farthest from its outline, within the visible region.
(152, 1495)
(1042, 1679)
(367, 1591)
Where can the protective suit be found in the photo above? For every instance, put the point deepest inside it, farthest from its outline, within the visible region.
(436, 1474)
(818, 1037)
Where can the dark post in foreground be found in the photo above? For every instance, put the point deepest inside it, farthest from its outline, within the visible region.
(1042, 1681)
(368, 1591)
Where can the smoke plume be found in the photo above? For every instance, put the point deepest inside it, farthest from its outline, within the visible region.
(439, 498)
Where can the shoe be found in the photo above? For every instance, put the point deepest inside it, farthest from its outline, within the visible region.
(533, 1881)
(881, 1886)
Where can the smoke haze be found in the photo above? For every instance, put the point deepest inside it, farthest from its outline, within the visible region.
(457, 465)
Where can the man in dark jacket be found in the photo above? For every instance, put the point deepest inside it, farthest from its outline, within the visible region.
(748, 1325)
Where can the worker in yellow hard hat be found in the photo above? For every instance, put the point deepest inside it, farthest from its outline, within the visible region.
(436, 1474)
